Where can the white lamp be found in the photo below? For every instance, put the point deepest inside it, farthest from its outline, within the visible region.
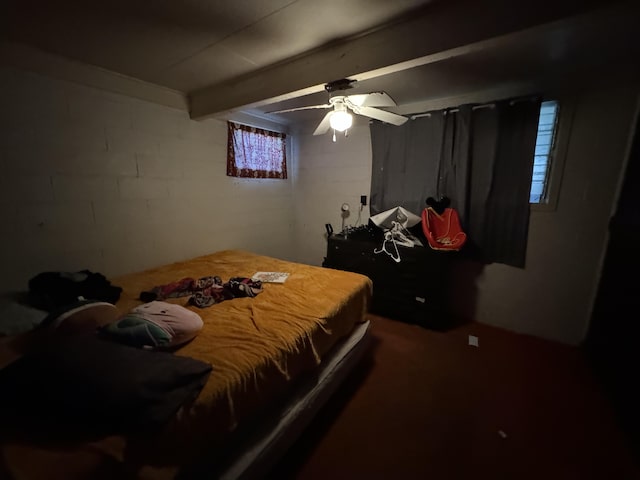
(340, 119)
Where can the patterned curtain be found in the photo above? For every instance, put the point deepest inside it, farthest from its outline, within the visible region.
(255, 153)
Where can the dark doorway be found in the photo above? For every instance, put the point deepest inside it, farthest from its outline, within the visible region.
(614, 334)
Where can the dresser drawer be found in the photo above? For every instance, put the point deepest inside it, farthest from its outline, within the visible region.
(426, 311)
(412, 290)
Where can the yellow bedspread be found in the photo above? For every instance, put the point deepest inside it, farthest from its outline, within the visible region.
(257, 346)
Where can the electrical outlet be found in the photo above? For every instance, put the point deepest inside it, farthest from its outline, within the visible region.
(363, 200)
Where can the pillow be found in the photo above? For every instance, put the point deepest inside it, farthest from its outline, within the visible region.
(84, 316)
(17, 318)
(155, 324)
(82, 383)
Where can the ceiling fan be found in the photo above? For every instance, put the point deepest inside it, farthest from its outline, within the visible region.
(364, 104)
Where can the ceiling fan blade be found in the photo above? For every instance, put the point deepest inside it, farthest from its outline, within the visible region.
(373, 99)
(381, 115)
(309, 107)
(324, 125)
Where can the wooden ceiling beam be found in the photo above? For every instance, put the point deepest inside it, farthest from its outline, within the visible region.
(443, 30)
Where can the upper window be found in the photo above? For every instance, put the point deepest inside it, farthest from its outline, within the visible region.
(544, 153)
(255, 153)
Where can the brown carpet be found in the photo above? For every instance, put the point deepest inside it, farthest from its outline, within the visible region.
(427, 405)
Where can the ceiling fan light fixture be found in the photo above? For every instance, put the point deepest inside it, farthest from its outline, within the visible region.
(341, 120)
(340, 117)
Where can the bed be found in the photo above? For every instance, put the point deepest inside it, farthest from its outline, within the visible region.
(276, 359)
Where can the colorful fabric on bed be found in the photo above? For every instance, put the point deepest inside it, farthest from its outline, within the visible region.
(205, 291)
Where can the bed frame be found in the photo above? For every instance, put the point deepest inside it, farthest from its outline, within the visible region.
(259, 449)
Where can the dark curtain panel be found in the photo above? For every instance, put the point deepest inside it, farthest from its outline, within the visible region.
(506, 224)
(455, 161)
(484, 125)
(482, 159)
(405, 163)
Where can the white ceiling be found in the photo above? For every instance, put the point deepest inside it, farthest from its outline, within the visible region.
(190, 44)
(261, 55)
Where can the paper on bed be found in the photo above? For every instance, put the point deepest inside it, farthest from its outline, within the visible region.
(271, 277)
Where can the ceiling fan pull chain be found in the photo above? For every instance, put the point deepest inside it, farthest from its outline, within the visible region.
(334, 134)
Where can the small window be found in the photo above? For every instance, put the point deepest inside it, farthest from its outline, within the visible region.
(545, 149)
(255, 153)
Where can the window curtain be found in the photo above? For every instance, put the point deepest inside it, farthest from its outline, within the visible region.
(405, 163)
(255, 153)
(454, 161)
(503, 236)
(480, 158)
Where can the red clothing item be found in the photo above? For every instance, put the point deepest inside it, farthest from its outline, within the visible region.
(443, 231)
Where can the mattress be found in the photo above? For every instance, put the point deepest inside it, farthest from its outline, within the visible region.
(261, 446)
(262, 349)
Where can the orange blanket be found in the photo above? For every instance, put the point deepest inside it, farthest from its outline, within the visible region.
(257, 346)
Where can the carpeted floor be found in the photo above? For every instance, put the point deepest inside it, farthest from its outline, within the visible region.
(426, 405)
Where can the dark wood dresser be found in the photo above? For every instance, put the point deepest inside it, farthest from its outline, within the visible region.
(414, 290)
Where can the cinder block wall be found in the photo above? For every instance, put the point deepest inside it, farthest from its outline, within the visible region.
(113, 184)
(329, 174)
